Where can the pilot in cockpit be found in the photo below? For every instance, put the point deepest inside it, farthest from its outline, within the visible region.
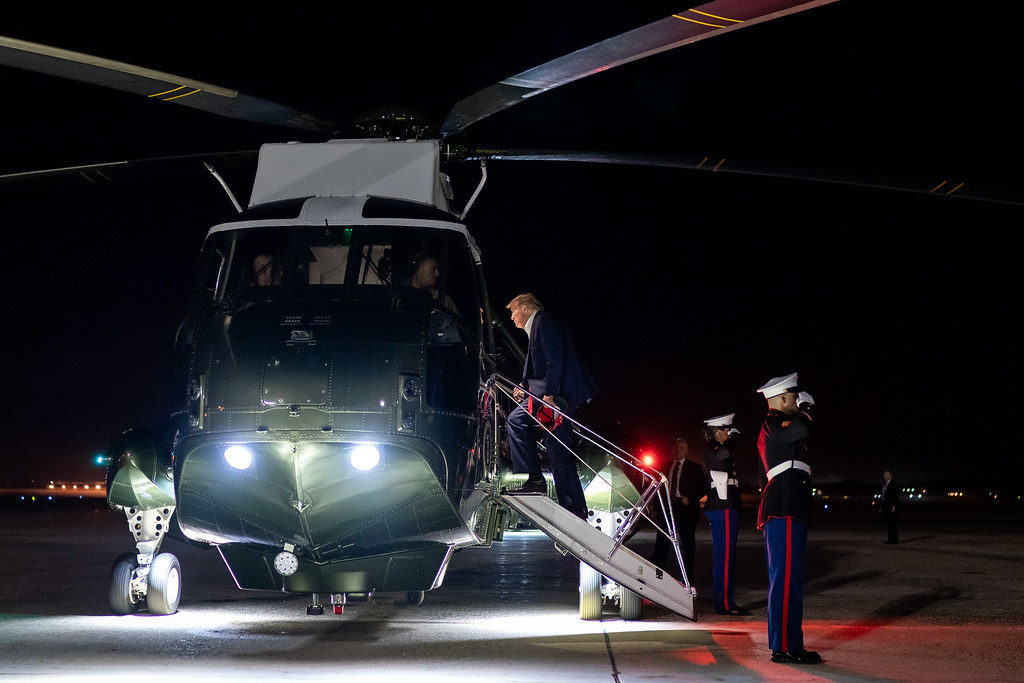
(266, 270)
(425, 274)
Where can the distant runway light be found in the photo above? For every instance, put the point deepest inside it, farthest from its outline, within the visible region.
(238, 457)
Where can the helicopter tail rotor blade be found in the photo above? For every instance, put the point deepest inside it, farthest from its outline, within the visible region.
(948, 187)
(685, 27)
(157, 85)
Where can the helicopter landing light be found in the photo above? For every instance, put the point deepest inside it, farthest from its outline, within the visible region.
(365, 457)
(238, 457)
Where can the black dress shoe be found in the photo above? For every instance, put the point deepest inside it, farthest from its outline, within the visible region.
(796, 657)
(735, 612)
(530, 488)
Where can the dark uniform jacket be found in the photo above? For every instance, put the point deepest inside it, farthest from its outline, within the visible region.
(719, 457)
(783, 437)
(891, 497)
(553, 366)
(686, 478)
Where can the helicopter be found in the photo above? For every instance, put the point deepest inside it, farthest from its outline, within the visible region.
(331, 439)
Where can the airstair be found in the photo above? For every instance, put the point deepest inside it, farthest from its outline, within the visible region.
(599, 541)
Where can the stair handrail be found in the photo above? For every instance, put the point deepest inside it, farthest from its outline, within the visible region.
(654, 486)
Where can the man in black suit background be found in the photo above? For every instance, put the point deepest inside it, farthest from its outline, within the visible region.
(891, 507)
(554, 372)
(686, 488)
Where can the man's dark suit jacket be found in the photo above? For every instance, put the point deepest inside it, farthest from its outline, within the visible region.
(553, 366)
(891, 497)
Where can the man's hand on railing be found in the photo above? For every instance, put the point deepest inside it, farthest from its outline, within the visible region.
(519, 393)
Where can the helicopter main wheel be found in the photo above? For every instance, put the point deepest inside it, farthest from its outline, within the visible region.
(631, 605)
(164, 592)
(120, 591)
(590, 592)
(414, 598)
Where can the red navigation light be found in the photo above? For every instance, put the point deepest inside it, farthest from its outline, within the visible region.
(647, 459)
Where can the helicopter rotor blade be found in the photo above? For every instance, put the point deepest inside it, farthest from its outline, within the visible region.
(949, 187)
(157, 85)
(111, 171)
(685, 27)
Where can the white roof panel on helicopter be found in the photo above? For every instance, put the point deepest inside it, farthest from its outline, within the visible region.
(349, 168)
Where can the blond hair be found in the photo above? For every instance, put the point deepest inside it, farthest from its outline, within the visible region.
(528, 300)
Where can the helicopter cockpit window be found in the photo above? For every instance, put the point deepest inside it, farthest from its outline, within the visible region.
(415, 266)
(243, 260)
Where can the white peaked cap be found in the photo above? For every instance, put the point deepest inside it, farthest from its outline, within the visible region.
(778, 385)
(721, 421)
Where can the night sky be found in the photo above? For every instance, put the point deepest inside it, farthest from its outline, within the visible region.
(685, 290)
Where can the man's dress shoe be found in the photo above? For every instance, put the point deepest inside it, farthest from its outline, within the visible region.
(735, 612)
(797, 657)
(529, 488)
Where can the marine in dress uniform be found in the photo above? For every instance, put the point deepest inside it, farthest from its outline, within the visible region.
(722, 509)
(554, 372)
(785, 514)
(686, 488)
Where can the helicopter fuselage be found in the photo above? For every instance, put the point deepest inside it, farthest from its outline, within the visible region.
(333, 364)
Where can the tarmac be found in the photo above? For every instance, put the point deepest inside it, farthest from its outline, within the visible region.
(945, 604)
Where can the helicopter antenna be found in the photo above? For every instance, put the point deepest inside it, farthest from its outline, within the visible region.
(476, 192)
(231, 195)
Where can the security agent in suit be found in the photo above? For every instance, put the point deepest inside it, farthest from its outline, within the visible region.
(553, 371)
(722, 509)
(785, 514)
(891, 507)
(686, 488)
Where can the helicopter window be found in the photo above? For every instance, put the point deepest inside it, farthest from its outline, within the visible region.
(328, 265)
(373, 269)
(424, 267)
(243, 260)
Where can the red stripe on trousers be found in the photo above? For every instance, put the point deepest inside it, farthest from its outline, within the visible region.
(785, 591)
(728, 537)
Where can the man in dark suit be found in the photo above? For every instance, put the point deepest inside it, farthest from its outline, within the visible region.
(686, 488)
(891, 506)
(554, 372)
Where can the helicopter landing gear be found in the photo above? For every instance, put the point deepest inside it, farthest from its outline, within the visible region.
(146, 578)
(590, 592)
(595, 590)
(631, 605)
(122, 597)
(164, 590)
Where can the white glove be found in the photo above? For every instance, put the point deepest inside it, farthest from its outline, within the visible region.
(804, 399)
(733, 431)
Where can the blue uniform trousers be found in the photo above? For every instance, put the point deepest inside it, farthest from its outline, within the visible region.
(724, 529)
(785, 541)
(523, 450)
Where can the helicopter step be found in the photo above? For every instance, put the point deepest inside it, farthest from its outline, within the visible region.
(599, 551)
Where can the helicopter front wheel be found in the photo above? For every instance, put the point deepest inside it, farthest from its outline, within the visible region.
(164, 592)
(121, 574)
